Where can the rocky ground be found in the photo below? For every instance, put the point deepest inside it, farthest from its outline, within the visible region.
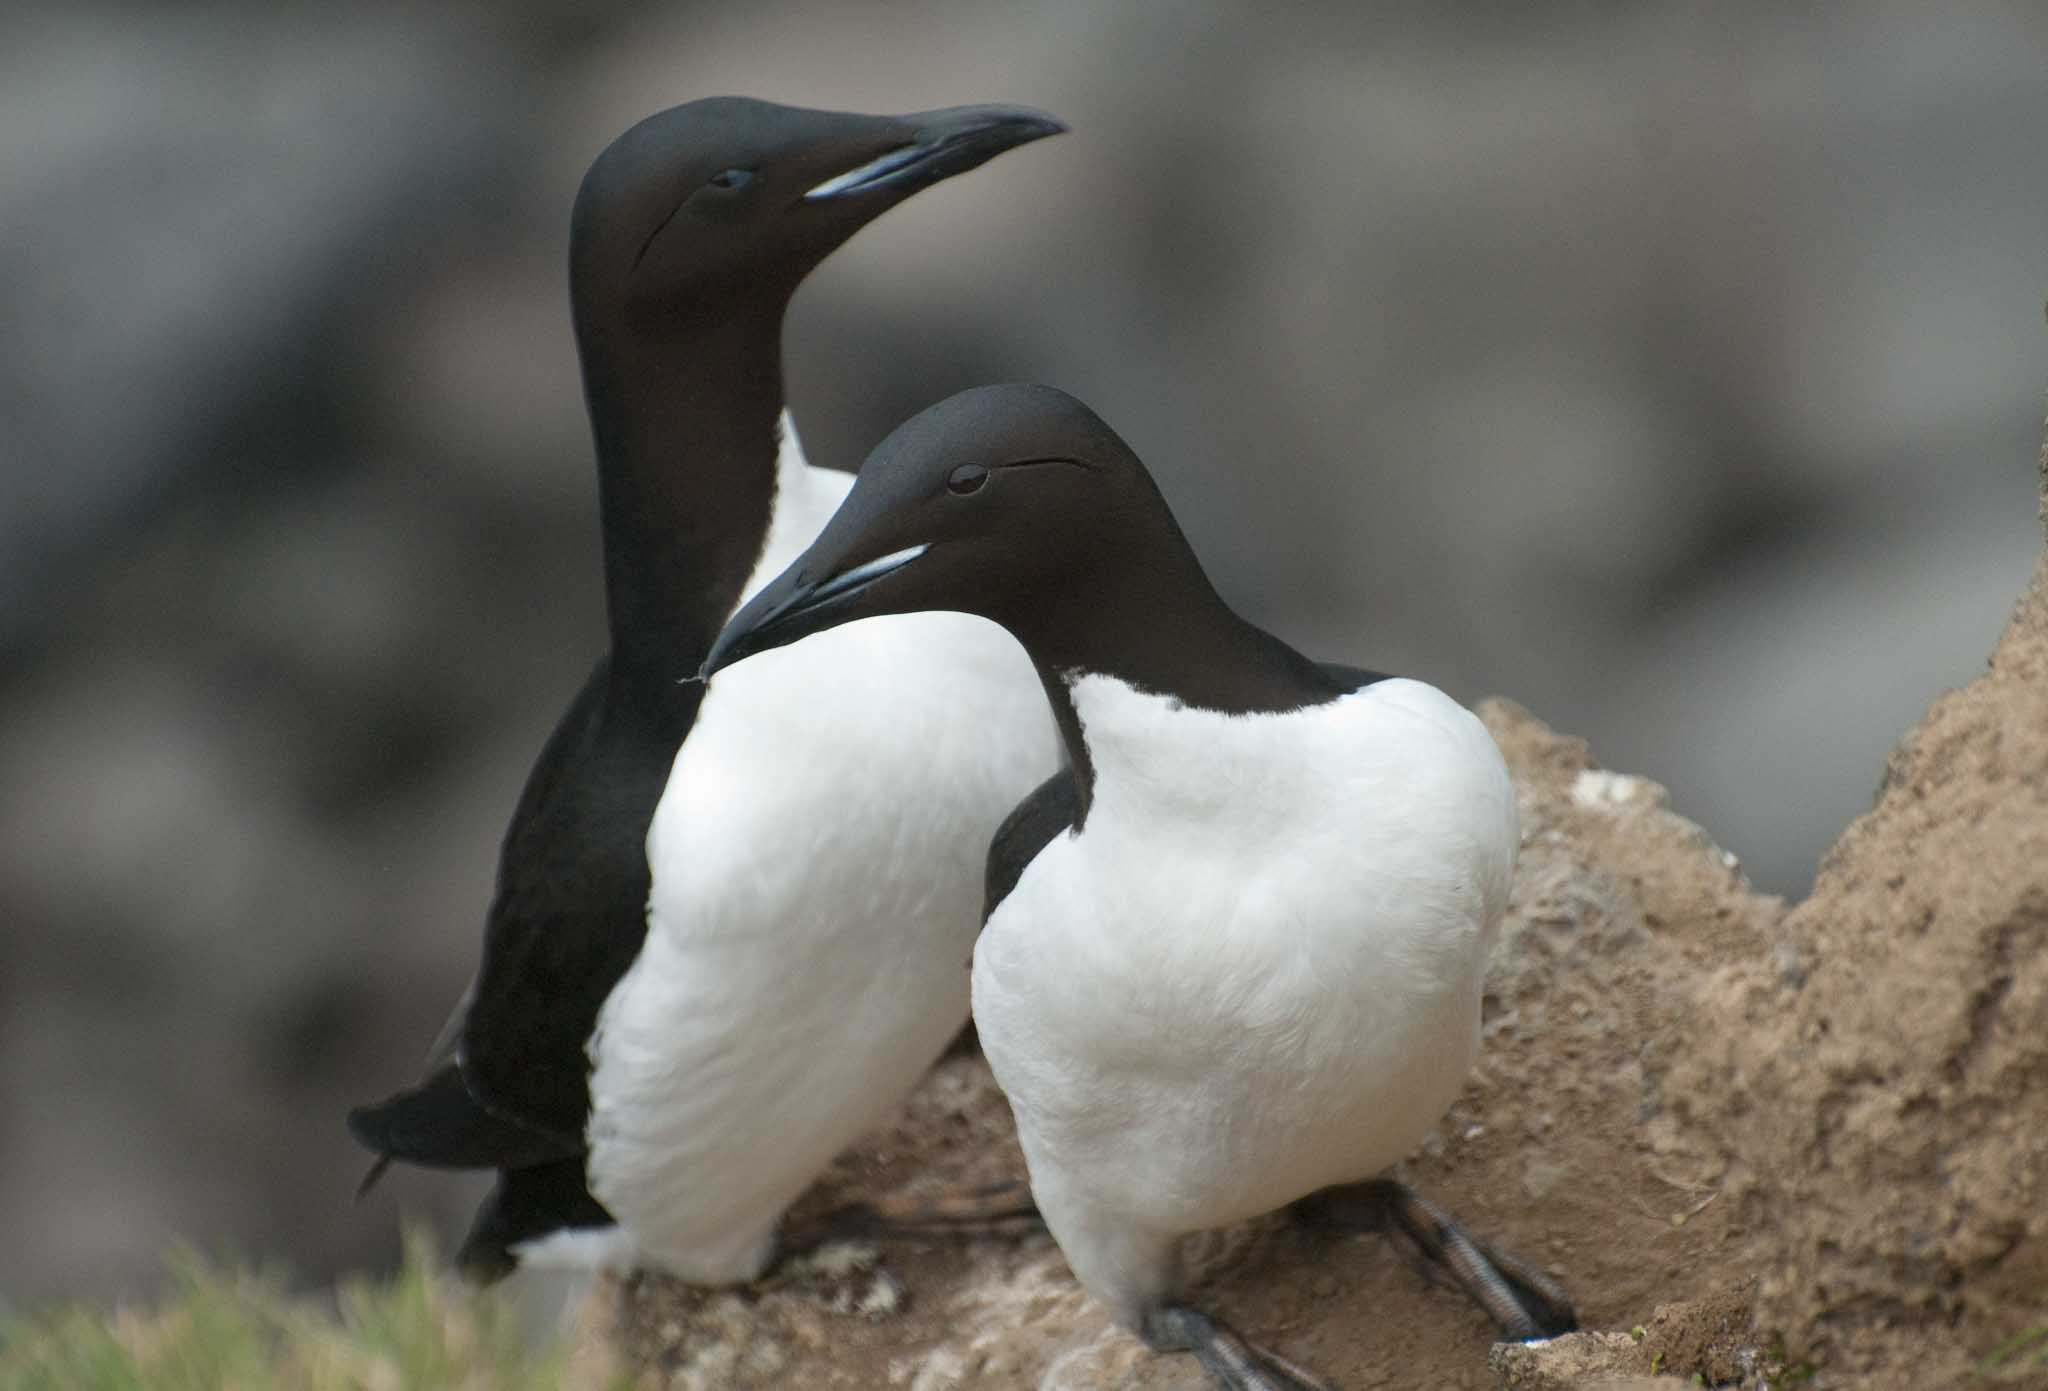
(1760, 1145)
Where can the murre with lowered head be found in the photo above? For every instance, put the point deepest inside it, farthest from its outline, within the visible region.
(703, 974)
(1232, 955)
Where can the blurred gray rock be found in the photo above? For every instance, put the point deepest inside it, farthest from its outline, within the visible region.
(196, 194)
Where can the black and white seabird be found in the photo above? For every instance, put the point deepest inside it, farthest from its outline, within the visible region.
(1232, 955)
(718, 952)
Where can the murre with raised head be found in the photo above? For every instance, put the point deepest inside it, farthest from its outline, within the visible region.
(1232, 954)
(712, 961)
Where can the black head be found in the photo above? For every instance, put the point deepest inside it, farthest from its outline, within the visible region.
(1016, 503)
(729, 198)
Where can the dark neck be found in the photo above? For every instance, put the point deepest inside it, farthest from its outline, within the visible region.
(684, 419)
(1156, 623)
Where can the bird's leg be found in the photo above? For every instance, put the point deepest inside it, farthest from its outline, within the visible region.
(1235, 1363)
(975, 1212)
(1519, 1298)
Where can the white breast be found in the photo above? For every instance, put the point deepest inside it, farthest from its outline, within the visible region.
(1256, 969)
(817, 860)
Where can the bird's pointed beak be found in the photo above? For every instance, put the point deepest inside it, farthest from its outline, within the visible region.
(944, 143)
(794, 605)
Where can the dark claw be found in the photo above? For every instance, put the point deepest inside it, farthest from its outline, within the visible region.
(1520, 1299)
(1235, 1363)
(1548, 1307)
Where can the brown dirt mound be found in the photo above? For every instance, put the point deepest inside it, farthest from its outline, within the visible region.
(1758, 1147)
(1880, 1097)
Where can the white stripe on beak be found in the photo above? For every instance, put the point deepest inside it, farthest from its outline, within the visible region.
(875, 169)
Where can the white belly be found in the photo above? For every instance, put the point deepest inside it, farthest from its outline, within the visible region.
(817, 866)
(1254, 977)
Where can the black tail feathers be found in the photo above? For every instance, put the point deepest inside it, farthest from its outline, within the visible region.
(441, 1125)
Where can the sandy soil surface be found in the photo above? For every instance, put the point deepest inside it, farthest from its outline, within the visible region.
(1758, 1145)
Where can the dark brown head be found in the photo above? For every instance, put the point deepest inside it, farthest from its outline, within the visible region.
(1016, 503)
(690, 234)
(729, 199)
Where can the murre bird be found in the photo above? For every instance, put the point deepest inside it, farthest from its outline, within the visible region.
(1232, 955)
(712, 961)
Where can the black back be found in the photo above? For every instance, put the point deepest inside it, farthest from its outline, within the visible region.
(569, 916)
(571, 906)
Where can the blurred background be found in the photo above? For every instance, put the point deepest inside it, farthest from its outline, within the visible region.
(1674, 370)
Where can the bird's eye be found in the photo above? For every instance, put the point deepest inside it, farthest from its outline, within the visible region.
(966, 479)
(731, 178)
